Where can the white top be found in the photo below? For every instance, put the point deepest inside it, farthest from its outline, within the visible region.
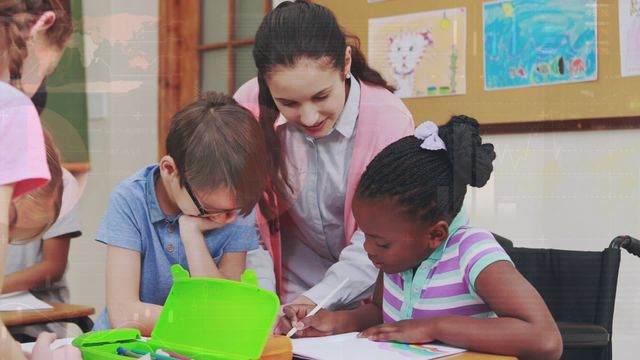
(314, 255)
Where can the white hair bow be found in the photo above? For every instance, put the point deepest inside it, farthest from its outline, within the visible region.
(428, 131)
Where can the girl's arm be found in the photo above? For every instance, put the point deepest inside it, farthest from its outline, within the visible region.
(8, 345)
(362, 274)
(524, 328)
(50, 269)
(6, 192)
(123, 287)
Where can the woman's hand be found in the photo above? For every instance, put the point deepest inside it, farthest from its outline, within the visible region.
(42, 349)
(405, 331)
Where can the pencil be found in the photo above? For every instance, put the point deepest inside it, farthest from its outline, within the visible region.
(320, 305)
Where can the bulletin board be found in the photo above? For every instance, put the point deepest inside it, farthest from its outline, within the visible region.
(609, 102)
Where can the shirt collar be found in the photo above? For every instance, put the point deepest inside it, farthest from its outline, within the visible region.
(458, 221)
(346, 122)
(155, 213)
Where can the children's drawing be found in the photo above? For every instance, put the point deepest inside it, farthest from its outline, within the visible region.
(405, 52)
(629, 19)
(422, 351)
(539, 42)
(348, 345)
(421, 54)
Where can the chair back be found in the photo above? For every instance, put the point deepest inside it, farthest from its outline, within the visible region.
(578, 286)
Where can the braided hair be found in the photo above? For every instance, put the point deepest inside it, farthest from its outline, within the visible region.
(430, 185)
(16, 17)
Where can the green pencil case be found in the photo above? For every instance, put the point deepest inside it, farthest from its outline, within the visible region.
(201, 319)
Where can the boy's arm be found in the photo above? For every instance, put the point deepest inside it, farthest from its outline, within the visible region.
(123, 287)
(201, 263)
(50, 269)
(524, 327)
(232, 265)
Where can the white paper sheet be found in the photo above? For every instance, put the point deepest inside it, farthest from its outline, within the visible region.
(348, 346)
(629, 13)
(22, 300)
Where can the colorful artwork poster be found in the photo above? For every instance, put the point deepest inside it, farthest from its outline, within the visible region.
(539, 42)
(629, 19)
(421, 54)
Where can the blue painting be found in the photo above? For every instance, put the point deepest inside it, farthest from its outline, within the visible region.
(539, 42)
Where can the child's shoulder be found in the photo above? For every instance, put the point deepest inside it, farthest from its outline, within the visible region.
(10, 96)
(134, 187)
(467, 236)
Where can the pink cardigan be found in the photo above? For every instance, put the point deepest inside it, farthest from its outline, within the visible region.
(383, 118)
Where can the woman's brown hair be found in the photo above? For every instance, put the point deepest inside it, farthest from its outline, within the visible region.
(293, 31)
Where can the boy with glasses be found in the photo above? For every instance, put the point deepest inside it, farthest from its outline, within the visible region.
(193, 208)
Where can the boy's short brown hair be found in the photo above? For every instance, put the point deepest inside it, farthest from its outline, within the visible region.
(216, 143)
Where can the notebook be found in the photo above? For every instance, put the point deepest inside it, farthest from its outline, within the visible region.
(22, 300)
(349, 346)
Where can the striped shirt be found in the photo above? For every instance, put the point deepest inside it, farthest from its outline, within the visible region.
(444, 283)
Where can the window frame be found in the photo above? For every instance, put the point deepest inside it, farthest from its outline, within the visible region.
(180, 53)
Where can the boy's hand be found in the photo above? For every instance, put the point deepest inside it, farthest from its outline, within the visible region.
(42, 349)
(193, 224)
(405, 331)
(323, 323)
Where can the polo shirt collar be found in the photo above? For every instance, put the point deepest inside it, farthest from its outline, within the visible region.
(347, 121)
(458, 221)
(155, 213)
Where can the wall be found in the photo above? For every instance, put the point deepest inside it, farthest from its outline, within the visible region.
(573, 190)
(121, 58)
(609, 96)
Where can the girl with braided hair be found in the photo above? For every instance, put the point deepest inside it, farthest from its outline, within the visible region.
(440, 277)
(33, 35)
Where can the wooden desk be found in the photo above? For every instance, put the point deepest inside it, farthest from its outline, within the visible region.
(470, 355)
(77, 314)
(467, 355)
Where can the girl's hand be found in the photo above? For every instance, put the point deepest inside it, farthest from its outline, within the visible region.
(405, 331)
(42, 349)
(323, 323)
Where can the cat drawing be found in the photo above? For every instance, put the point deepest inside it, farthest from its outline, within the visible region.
(405, 53)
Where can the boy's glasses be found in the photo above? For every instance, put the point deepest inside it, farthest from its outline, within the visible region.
(214, 215)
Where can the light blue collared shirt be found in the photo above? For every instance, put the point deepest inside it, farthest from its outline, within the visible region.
(135, 221)
(315, 259)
